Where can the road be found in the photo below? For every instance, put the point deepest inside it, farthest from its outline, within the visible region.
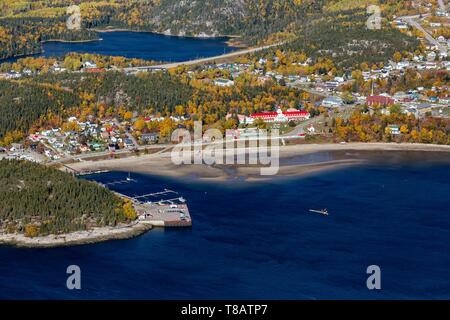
(202, 60)
(161, 148)
(84, 156)
(300, 128)
(412, 22)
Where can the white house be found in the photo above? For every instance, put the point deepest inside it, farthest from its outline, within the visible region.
(89, 65)
(332, 101)
(224, 83)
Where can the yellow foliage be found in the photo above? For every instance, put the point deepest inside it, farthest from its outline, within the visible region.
(31, 230)
(129, 211)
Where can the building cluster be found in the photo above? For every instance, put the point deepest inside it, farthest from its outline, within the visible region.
(57, 67)
(78, 137)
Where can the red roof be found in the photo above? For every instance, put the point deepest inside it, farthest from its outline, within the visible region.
(381, 100)
(95, 70)
(296, 113)
(264, 114)
(273, 114)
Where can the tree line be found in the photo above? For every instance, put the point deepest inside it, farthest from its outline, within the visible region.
(38, 200)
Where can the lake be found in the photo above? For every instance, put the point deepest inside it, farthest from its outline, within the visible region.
(142, 45)
(259, 241)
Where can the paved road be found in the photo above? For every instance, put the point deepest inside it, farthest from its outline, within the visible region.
(412, 22)
(300, 128)
(203, 60)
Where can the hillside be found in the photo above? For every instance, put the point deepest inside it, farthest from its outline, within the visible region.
(346, 40)
(38, 200)
(24, 24)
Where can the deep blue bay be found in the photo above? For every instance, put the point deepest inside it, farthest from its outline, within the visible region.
(141, 45)
(258, 240)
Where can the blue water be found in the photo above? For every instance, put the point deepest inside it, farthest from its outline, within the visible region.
(254, 241)
(142, 45)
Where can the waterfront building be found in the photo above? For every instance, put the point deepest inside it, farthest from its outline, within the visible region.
(280, 116)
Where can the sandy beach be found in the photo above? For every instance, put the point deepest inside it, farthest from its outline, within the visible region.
(76, 238)
(161, 164)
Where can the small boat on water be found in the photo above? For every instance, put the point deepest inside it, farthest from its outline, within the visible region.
(323, 212)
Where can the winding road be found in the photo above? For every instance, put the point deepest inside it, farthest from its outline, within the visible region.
(412, 22)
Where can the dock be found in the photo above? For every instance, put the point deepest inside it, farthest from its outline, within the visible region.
(88, 173)
(164, 215)
(160, 212)
(164, 208)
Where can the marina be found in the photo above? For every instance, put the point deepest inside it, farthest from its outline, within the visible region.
(164, 208)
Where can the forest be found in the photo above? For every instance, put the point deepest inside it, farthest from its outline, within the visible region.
(46, 100)
(314, 23)
(346, 40)
(38, 200)
(366, 127)
(23, 104)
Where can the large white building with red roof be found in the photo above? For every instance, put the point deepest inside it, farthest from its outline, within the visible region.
(280, 116)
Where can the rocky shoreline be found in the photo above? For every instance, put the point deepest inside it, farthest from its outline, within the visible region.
(77, 238)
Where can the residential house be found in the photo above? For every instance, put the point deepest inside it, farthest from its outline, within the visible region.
(332, 102)
(224, 82)
(150, 137)
(393, 129)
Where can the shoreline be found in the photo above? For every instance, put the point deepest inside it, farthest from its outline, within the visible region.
(160, 164)
(96, 235)
(112, 29)
(71, 41)
(41, 51)
(229, 41)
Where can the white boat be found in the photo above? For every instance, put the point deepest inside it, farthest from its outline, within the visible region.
(323, 212)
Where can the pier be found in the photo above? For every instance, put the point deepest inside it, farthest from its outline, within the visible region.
(161, 212)
(79, 173)
(87, 173)
(164, 208)
(164, 215)
(166, 191)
